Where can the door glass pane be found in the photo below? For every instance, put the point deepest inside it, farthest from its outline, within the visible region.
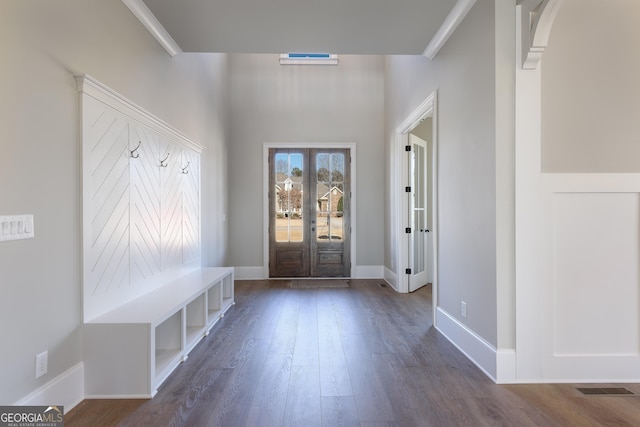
(288, 191)
(330, 203)
(419, 211)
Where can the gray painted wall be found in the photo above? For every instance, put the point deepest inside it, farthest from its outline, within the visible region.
(274, 103)
(464, 75)
(590, 108)
(41, 45)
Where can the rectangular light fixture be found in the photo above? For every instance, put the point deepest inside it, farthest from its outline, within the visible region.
(308, 59)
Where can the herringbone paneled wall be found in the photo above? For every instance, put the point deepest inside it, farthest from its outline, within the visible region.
(141, 214)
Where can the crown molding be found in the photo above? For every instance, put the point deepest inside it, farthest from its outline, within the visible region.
(90, 86)
(537, 19)
(449, 25)
(151, 23)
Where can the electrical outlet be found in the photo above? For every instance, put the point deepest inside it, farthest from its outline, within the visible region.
(42, 360)
(463, 309)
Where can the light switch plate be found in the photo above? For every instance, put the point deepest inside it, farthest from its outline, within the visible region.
(16, 227)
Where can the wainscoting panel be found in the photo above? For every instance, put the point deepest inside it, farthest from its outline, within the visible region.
(590, 277)
(171, 206)
(145, 205)
(107, 206)
(141, 208)
(190, 206)
(596, 277)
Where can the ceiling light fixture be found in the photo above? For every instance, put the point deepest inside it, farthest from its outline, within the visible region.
(308, 59)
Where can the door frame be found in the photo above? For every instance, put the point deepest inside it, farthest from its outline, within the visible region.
(351, 146)
(428, 108)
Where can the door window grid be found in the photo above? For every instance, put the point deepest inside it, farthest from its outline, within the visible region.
(289, 196)
(330, 191)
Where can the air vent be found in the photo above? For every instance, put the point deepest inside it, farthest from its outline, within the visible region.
(604, 391)
(308, 59)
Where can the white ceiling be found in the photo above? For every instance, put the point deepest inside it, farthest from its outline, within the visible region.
(382, 27)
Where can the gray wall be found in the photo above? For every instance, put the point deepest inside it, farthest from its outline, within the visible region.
(590, 109)
(41, 45)
(274, 103)
(464, 75)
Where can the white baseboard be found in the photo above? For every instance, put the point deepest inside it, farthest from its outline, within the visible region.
(369, 272)
(249, 273)
(391, 278)
(67, 389)
(360, 272)
(472, 345)
(506, 367)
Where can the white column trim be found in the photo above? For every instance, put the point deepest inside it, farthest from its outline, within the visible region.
(537, 19)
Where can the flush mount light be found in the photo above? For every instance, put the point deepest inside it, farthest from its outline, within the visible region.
(308, 59)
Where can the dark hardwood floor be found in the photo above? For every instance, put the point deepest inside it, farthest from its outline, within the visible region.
(362, 356)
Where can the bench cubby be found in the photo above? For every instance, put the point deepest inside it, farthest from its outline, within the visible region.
(132, 349)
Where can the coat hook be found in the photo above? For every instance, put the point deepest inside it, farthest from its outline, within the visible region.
(134, 153)
(162, 162)
(184, 169)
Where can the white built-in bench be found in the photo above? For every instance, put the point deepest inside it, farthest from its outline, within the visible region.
(130, 350)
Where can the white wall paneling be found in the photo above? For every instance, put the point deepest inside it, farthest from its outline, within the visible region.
(577, 265)
(590, 226)
(141, 216)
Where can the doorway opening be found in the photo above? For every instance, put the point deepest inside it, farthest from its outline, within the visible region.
(308, 211)
(416, 199)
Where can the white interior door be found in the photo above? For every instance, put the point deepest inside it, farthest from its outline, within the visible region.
(418, 214)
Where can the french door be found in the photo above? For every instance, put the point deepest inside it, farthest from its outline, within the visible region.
(419, 237)
(309, 215)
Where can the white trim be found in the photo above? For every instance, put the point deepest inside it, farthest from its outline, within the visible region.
(369, 272)
(103, 93)
(391, 278)
(151, 23)
(506, 367)
(537, 19)
(249, 273)
(472, 345)
(360, 272)
(67, 389)
(449, 25)
(265, 190)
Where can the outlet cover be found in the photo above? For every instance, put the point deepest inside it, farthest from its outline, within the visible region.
(463, 309)
(42, 360)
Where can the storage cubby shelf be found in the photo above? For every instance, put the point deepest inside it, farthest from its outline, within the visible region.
(132, 349)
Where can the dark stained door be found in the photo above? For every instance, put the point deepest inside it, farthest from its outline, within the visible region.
(330, 219)
(309, 221)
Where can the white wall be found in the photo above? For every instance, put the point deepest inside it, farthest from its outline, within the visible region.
(275, 103)
(463, 73)
(590, 90)
(41, 45)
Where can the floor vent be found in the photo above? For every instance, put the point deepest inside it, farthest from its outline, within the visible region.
(383, 285)
(606, 391)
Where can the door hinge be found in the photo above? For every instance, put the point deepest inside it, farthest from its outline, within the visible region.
(407, 230)
(407, 270)
(407, 189)
(407, 148)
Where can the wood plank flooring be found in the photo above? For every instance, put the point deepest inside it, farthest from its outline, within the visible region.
(360, 356)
